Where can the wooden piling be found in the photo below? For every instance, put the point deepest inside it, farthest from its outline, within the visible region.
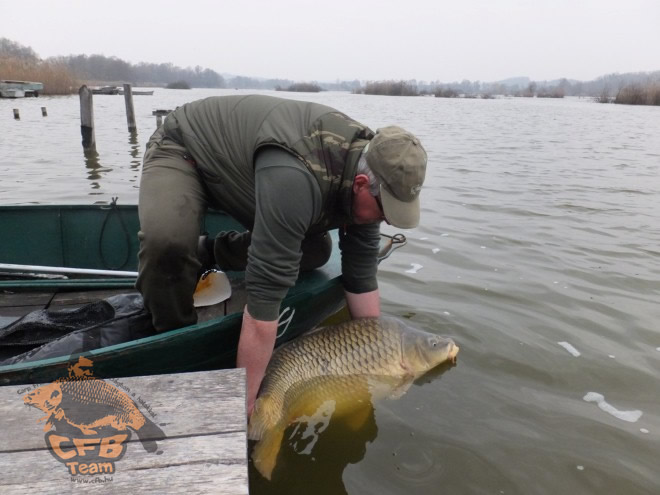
(159, 116)
(130, 112)
(17, 115)
(44, 112)
(87, 118)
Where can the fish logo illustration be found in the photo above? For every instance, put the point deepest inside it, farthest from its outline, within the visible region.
(92, 421)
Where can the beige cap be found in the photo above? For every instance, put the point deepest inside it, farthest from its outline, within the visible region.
(398, 161)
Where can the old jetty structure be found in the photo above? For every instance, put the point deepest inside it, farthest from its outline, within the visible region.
(19, 89)
(116, 90)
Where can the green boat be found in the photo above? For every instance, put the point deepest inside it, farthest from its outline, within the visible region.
(104, 237)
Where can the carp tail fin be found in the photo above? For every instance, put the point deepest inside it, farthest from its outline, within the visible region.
(264, 454)
(264, 417)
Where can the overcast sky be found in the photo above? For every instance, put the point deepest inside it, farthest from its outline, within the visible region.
(484, 40)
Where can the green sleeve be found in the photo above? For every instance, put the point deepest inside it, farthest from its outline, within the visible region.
(359, 246)
(288, 200)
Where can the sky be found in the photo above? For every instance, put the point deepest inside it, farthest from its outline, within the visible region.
(302, 40)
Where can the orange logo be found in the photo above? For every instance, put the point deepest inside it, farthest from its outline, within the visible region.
(92, 421)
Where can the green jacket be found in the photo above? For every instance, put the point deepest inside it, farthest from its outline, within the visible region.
(223, 133)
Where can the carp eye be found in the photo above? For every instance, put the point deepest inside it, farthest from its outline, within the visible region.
(55, 393)
(433, 342)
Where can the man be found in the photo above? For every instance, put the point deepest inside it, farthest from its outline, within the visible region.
(288, 171)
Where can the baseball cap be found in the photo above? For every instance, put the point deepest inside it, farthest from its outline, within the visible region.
(398, 161)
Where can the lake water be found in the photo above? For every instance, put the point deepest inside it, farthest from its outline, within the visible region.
(538, 252)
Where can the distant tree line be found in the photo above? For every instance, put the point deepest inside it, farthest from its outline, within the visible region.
(62, 75)
(11, 49)
(113, 69)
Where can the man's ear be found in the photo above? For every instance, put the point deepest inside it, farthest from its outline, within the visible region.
(360, 181)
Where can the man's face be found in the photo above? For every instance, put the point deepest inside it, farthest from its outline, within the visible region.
(366, 208)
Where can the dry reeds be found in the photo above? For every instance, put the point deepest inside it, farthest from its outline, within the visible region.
(56, 78)
(636, 94)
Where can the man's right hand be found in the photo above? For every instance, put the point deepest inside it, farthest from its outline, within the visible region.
(255, 347)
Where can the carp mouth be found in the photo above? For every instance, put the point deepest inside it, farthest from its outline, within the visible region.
(453, 353)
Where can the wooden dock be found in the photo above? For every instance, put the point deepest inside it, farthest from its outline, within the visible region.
(202, 447)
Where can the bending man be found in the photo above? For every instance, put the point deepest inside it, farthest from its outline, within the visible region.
(288, 171)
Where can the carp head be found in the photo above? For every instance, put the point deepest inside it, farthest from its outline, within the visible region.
(423, 351)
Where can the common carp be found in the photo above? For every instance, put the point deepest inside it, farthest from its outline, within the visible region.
(88, 403)
(336, 370)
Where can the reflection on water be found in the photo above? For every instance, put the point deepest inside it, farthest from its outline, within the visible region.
(96, 172)
(134, 150)
(93, 165)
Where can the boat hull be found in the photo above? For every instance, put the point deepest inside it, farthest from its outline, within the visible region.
(105, 237)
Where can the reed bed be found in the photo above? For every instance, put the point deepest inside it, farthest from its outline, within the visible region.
(636, 94)
(56, 78)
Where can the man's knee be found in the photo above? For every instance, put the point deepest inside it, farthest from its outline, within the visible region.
(169, 253)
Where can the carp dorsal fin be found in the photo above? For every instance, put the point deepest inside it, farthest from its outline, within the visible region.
(264, 417)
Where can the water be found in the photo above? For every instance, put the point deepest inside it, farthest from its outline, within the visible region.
(538, 253)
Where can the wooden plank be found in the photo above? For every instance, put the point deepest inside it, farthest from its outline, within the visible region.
(201, 414)
(207, 464)
(200, 403)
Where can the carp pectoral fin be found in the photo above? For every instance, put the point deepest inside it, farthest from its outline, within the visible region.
(264, 454)
(264, 417)
(401, 388)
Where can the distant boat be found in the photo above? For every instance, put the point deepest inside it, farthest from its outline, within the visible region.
(19, 89)
(106, 90)
(139, 92)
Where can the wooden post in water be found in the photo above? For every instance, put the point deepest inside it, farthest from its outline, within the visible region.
(17, 115)
(44, 112)
(130, 113)
(159, 116)
(87, 118)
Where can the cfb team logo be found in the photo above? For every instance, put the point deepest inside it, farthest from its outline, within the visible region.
(89, 421)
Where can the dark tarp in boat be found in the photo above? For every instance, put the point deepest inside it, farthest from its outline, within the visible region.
(47, 333)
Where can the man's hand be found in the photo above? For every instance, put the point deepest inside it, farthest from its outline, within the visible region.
(366, 305)
(255, 348)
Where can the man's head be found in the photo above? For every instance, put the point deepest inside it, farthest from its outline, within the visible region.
(398, 161)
